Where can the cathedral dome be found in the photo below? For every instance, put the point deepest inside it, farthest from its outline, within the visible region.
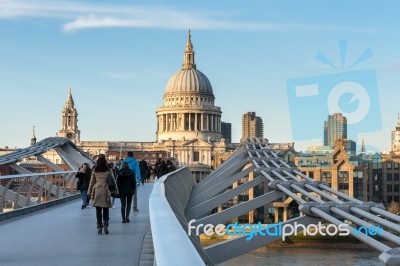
(189, 80)
(188, 109)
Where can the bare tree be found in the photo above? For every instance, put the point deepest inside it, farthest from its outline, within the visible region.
(394, 207)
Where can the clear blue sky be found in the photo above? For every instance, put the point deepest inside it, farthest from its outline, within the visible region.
(117, 57)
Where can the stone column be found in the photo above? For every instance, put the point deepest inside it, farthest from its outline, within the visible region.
(201, 121)
(195, 121)
(212, 122)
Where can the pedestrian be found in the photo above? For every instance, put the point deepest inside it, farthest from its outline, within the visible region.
(162, 169)
(149, 173)
(156, 167)
(82, 185)
(171, 167)
(144, 169)
(100, 194)
(134, 166)
(126, 183)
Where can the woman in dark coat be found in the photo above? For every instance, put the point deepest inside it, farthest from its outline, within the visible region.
(126, 183)
(162, 169)
(82, 185)
(100, 194)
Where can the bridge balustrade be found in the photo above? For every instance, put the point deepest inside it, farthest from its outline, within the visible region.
(168, 201)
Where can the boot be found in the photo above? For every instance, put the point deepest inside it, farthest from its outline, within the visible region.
(106, 227)
(99, 228)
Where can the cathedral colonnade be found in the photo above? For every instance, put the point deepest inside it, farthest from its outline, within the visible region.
(192, 121)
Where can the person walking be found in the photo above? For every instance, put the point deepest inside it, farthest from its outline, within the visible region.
(144, 170)
(162, 169)
(82, 185)
(134, 166)
(126, 183)
(170, 166)
(100, 194)
(150, 173)
(156, 167)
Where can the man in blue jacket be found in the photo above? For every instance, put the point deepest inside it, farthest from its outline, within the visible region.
(134, 166)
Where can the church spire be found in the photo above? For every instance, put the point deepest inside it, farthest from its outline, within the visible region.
(363, 149)
(70, 101)
(69, 126)
(33, 139)
(188, 57)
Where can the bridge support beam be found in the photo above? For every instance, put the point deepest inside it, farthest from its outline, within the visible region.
(218, 187)
(203, 208)
(242, 208)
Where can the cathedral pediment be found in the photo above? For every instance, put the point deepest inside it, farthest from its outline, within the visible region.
(197, 143)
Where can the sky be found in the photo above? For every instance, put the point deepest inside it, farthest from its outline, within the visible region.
(117, 57)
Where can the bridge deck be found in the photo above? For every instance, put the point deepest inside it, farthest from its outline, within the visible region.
(67, 235)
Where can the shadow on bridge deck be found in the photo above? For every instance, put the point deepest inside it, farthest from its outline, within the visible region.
(67, 235)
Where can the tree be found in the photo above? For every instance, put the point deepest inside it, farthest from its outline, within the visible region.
(394, 207)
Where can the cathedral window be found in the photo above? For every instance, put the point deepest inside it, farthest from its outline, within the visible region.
(196, 156)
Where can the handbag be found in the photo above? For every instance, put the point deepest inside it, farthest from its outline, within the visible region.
(114, 195)
(111, 182)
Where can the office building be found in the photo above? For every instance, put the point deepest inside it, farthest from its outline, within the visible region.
(335, 127)
(252, 126)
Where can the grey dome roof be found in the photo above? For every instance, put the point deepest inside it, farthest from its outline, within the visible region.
(189, 80)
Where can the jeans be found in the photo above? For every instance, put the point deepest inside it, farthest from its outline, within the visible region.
(126, 202)
(84, 196)
(102, 213)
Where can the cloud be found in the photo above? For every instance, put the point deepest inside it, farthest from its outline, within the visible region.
(76, 16)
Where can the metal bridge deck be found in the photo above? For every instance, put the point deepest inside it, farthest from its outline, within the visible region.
(67, 235)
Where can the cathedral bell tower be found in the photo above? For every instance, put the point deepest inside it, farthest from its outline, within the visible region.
(69, 126)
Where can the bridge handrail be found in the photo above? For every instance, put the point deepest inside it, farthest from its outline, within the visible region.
(167, 232)
(35, 174)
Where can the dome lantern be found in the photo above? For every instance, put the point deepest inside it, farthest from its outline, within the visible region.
(188, 56)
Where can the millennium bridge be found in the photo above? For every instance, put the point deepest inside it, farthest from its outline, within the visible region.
(41, 222)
